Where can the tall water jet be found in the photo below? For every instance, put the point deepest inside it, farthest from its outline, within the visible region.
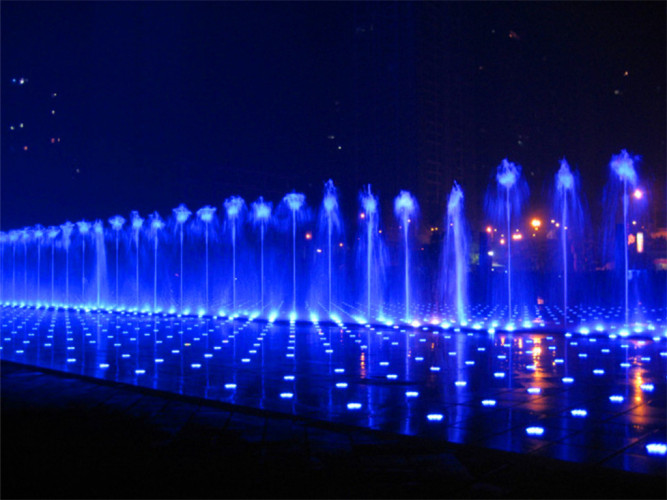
(294, 201)
(405, 207)
(13, 238)
(369, 205)
(25, 236)
(182, 214)
(455, 254)
(234, 206)
(52, 232)
(569, 210)
(39, 234)
(156, 225)
(67, 229)
(117, 223)
(206, 214)
(623, 165)
(136, 222)
(261, 214)
(84, 227)
(510, 192)
(100, 257)
(332, 216)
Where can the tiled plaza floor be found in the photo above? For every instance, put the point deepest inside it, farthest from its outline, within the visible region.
(67, 436)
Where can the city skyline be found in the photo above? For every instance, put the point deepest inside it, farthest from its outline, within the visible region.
(197, 99)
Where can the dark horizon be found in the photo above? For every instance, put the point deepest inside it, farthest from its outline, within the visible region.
(159, 104)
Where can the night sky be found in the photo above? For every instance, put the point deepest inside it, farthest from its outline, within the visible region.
(142, 106)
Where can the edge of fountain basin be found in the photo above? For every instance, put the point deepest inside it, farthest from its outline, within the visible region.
(304, 322)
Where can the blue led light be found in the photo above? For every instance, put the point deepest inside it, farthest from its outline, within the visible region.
(488, 402)
(354, 406)
(578, 412)
(535, 431)
(616, 398)
(341, 385)
(435, 417)
(656, 449)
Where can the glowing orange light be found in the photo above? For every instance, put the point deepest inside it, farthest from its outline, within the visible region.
(489, 229)
(631, 239)
(640, 242)
(517, 236)
(536, 223)
(362, 215)
(502, 241)
(309, 235)
(340, 245)
(638, 194)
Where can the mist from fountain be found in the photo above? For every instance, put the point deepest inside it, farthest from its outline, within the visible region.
(405, 208)
(156, 225)
(67, 229)
(182, 215)
(117, 222)
(234, 206)
(622, 166)
(568, 207)
(455, 254)
(501, 204)
(136, 221)
(261, 215)
(295, 203)
(206, 215)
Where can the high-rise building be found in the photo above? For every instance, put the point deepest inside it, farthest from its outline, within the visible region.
(410, 125)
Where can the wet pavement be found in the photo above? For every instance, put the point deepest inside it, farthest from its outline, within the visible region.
(595, 402)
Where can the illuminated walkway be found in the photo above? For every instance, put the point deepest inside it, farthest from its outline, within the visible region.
(73, 436)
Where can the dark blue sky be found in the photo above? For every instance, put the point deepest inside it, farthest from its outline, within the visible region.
(166, 102)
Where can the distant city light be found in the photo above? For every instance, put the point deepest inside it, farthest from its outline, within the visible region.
(638, 194)
(536, 223)
(309, 235)
(517, 236)
(489, 229)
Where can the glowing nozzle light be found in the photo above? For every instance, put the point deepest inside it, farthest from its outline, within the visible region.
(564, 177)
(156, 221)
(182, 214)
(83, 226)
(233, 206)
(330, 201)
(117, 222)
(261, 210)
(369, 201)
(137, 221)
(295, 201)
(206, 213)
(623, 165)
(508, 173)
(404, 205)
